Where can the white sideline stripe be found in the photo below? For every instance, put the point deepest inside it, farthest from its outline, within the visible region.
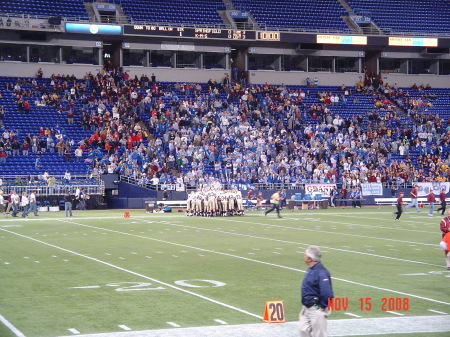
(305, 244)
(387, 326)
(438, 312)
(230, 255)
(397, 227)
(395, 313)
(124, 327)
(322, 231)
(11, 327)
(175, 325)
(137, 274)
(221, 322)
(353, 315)
(74, 331)
(86, 287)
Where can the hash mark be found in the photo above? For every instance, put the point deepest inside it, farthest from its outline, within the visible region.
(395, 313)
(124, 327)
(437, 312)
(220, 321)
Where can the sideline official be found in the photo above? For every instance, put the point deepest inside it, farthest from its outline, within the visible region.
(316, 290)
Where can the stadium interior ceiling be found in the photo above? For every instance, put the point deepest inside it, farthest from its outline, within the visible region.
(174, 52)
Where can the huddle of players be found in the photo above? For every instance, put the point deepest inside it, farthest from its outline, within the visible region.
(215, 202)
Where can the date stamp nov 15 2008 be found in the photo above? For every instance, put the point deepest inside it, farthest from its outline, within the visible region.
(367, 304)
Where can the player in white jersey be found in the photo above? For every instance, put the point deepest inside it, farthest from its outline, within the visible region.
(239, 203)
(190, 204)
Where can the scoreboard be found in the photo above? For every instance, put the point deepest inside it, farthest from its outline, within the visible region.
(196, 33)
(202, 33)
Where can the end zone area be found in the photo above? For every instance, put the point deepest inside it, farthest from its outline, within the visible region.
(99, 272)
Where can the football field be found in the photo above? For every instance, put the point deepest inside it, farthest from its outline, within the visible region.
(101, 274)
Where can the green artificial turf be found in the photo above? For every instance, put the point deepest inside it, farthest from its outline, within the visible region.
(98, 270)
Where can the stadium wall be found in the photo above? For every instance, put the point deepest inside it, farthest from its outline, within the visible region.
(349, 79)
(18, 69)
(134, 197)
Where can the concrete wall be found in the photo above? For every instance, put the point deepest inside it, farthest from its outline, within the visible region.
(19, 69)
(180, 74)
(194, 75)
(299, 78)
(408, 80)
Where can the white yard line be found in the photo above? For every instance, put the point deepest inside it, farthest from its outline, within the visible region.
(301, 243)
(235, 256)
(326, 232)
(138, 274)
(398, 226)
(353, 315)
(175, 325)
(11, 327)
(438, 312)
(74, 331)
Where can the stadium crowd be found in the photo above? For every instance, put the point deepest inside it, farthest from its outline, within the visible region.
(235, 133)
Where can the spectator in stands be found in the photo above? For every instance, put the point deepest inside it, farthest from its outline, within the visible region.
(316, 82)
(51, 182)
(60, 146)
(3, 155)
(39, 74)
(25, 148)
(67, 177)
(67, 153)
(15, 148)
(78, 154)
(37, 163)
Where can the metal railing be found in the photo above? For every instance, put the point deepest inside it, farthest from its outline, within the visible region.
(42, 190)
(230, 186)
(256, 26)
(11, 183)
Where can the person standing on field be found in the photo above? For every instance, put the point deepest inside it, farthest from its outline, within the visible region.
(445, 245)
(431, 200)
(68, 204)
(315, 294)
(445, 224)
(2, 203)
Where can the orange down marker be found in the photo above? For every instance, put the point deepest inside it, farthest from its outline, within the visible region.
(126, 214)
(274, 312)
